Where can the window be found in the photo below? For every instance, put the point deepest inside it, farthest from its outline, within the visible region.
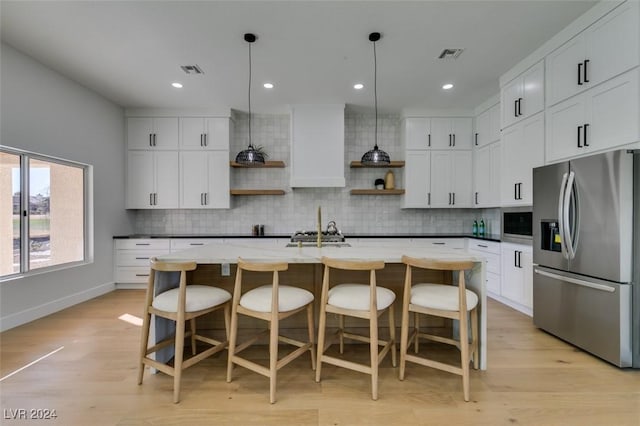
(44, 214)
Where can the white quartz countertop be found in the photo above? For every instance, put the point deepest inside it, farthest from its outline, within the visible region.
(230, 252)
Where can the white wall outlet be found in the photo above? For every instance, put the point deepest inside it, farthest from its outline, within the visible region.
(225, 270)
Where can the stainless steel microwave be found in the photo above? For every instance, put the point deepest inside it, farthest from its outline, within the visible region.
(517, 225)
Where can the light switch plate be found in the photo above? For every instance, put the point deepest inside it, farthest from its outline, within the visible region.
(225, 270)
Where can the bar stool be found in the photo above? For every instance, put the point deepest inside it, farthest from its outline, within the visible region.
(440, 300)
(181, 304)
(271, 303)
(365, 301)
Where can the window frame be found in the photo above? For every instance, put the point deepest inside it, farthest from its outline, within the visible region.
(88, 231)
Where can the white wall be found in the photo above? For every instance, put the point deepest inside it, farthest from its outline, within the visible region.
(44, 112)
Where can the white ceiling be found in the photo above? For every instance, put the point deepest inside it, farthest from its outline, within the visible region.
(313, 51)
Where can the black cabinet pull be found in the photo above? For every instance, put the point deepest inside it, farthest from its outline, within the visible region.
(201, 143)
(454, 139)
(476, 139)
(454, 198)
(586, 63)
(449, 198)
(515, 191)
(151, 198)
(482, 245)
(205, 138)
(515, 108)
(586, 125)
(449, 139)
(579, 130)
(155, 140)
(580, 74)
(150, 139)
(476, 197)
(519, 259)
(438, 244)
(519, 106)
(515, 258)
(428, 198)
(429, 143)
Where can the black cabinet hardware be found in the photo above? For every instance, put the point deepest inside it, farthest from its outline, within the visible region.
(476, 139)
(429, 143)
(579, 130)
(584, 74)
(586, 126)
(580, 74)
(476, 197)
(519, 107)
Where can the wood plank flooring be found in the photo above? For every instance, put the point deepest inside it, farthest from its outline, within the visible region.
(532, 379)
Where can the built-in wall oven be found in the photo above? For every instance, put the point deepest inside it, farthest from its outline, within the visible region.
(517, 225)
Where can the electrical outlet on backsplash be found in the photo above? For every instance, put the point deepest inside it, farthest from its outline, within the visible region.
(297, 208)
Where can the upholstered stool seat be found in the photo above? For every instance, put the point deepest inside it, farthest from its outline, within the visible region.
(199, 297)
(289, 298)
(356, 297)
(443, 297)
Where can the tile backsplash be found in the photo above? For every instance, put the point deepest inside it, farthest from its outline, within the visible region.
(362, 214)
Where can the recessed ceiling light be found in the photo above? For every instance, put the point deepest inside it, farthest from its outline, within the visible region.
(177, 85)
(268, 85)
(358, 86)
(447, 86)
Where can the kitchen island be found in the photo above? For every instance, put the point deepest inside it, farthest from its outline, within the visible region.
(305, 269)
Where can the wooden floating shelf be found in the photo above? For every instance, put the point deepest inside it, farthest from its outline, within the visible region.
(394, 164)
(267, 164)
(257, 192)
(377, 191)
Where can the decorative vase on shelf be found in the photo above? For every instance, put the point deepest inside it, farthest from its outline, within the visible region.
(389, 180)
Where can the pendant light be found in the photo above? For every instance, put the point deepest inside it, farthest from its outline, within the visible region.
(375, 157)
(250, 156)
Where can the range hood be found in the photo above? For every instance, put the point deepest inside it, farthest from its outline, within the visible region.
(317, 146)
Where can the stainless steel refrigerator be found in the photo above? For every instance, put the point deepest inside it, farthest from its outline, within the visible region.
(586, 254)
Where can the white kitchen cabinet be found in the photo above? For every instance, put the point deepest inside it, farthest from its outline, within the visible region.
(487, 126)
(490, 251)
(204, 179)
(451, 173)
(448, 243)
(153, 133)
(523, 96)
(607, 48)
(152, 180)
(317, 146)
(522, 150)
(487, 171)
(204, 133)
(451, 132)
(132, 257)
(179, 244)
(599, 119)
(417, 133)
(517, 276)
(417, 178)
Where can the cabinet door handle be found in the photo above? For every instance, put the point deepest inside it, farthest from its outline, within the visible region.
(438, 244)
(201, 194)
(515, 258)
(586, 64)
(428, 198)
(476, 139)
(142, 258)
(519, 190)
(196, 244)
(476, 197)
(206, 139)
(586, 143)
(515, 108)
(482, 245)
(155, 140)
(454, 139)
(155, 198)
(429, 138)
(201, 142)
(519, 107)
(143, 244)
(449, 139)
(515, 191)
(454, 198)
(206, 198)
(579, 130)
(151, 198)
(150, 139)
(580, 73)
(449, 198)
(519, 259)
(142, 275)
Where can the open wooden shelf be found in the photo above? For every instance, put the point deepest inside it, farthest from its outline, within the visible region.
(394, 164)
(257, 192)
(267, 164)
(377, 191)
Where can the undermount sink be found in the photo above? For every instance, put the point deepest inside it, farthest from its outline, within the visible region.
(309, 244)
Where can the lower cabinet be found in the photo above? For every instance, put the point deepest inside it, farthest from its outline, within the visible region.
(490, 250)
(132, 256)
(516, 288)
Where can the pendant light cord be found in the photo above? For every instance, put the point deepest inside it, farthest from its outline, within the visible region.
(375, 92)
(250, 145)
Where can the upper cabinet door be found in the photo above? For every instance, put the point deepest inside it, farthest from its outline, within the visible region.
(523, 96)
(462, 129)
(204, 133)
(451, 133)
(417, 133)
(604, 50)
(218, 132)
(417, 178)
(155, 133)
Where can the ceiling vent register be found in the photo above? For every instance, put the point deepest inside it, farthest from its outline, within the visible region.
(192, 69)
(450, 53)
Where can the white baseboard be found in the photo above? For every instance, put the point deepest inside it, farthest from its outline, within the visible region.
(31, 314)
(131, 286)
(518, 307)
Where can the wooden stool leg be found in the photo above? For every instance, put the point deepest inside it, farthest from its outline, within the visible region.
(392, 335)
(341, 327)
(416, 322)
(273, 357)
(144, 339)
(232, 340)
(227, 320)
(177, 366)
(192, 324)
(474, 337)
(312, 332)
(404, 338)
(373, 347)
(321, 332)
(464, 350)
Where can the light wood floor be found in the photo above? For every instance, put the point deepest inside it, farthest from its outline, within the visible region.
(532, 378)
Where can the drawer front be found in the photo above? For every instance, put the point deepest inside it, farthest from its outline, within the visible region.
(187, 243)
(143, 244)
(137, 257)
(493, 283)
(485, 246)
(131, 274)
(450, 243)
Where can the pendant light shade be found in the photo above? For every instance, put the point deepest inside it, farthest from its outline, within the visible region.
(376, 156)
(250, 156)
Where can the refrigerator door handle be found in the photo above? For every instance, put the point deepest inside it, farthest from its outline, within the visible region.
(568, 238)
(561, 225)
(576, 281)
